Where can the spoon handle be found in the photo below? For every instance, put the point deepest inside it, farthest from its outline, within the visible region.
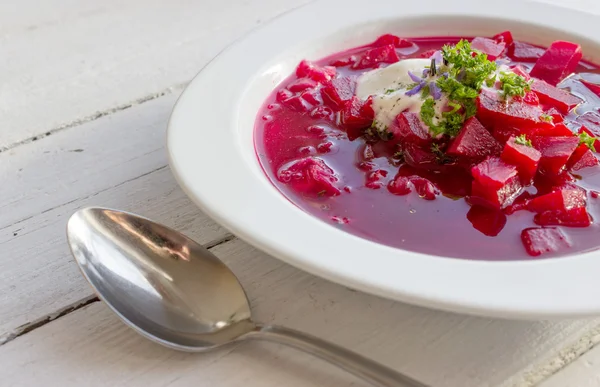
(366, 369)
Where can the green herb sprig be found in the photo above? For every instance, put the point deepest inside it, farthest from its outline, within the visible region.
(523, 140)
(514, 85)
(585, 138)
(463, 73)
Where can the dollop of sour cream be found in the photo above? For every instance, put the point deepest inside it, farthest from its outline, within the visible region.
(388, 87)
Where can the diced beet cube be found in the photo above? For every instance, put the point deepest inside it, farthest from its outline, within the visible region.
(587, 160)
(313, 97)
(424, 187)
(427, 54)
(558, 130)
(523, 52)
(504, 37)
(337, 91)
(367, 109)
(314, 72)
(575, 217)
(344, 62)
(409, 128)
(474, 142)
(555, 152)
(539, 240)
(355, 116)
(520, 203)
(582, 158)
(561, 129)
(495, 183)
(418, 157)
(524, 157)
(492, 48)
(371, 58)
(577, 154)
(400, 186)
(283, 95)
(322, 112)
(374, 179)
(548, 183)
(530, 98)
(555, 97)
(522, 71)
(562, 199)
(493, 112)
(293, 101)
(310, 177)
(302, 84)
(385, 40)
(594, 88)
(503, 133)
(559, 61)
(557, 116)
(488, 221)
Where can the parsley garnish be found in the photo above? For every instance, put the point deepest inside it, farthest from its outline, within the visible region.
(474, 66)
(428, 114)
(390, 91)
(514, 85)
(585, 138)
(546, 117)
(522, 140)
(464, 72)
(440, 155)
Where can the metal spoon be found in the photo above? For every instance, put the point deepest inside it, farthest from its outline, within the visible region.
(175, 292)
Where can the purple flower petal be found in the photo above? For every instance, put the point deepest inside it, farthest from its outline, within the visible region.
(425, 73)
(414, 77)
(501, 62)
(435, 90)
(445, 75)
(415, 89)
(438, 57)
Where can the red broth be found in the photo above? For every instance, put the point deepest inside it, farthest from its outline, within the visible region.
(439, 227)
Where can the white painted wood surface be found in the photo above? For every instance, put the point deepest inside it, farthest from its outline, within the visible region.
(101, 78)
(582, 372)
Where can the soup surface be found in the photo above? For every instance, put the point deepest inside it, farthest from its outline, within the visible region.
(388, 142)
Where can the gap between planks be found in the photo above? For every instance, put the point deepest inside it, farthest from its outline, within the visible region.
(95, 116)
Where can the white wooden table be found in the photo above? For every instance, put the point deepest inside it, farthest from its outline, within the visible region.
(86, 88)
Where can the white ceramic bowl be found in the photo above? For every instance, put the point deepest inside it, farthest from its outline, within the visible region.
(210, 144)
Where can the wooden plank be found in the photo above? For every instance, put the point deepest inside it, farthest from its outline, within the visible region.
(584, 367)
(67, 61)
(83, 161)
(90, 347)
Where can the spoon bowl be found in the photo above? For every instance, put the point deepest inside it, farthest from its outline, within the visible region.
(163, 284)
(177, 293)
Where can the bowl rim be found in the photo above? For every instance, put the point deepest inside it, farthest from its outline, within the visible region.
(509, 289)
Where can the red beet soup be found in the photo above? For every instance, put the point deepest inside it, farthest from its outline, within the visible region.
(477, 148)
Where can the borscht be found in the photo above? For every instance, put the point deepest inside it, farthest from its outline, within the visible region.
(467, 147)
